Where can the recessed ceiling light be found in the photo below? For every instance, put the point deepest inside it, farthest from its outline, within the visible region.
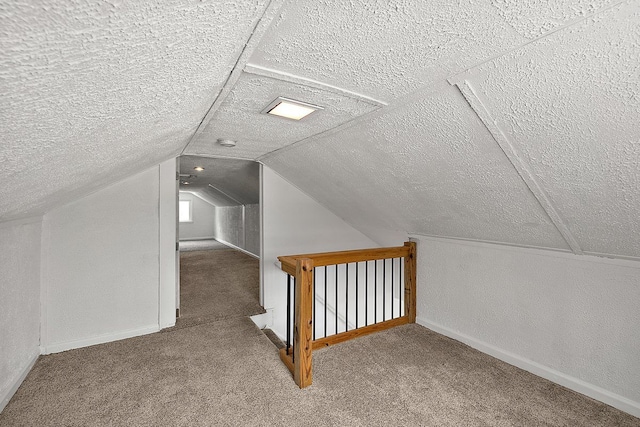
(290, 109)
(226, 142)
(185, 182)
(198, 168)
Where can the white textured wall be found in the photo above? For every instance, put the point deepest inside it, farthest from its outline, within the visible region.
(243, 231)
(19, 303)
(203, 215)
(293, 223)
(100, 265)
(252, 228)
(572, 319)
(229, 227)
(169, 255)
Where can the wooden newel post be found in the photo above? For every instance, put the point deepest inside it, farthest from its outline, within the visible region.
(410, 282)
(303, 323)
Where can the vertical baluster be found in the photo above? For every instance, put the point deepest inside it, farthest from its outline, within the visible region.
(366, 293)
(384, 290)
(346, 299)
(288, 314)
(375, 293)
(336, 306)
(326, 301)
(357, 265)
(401, 261)
(293, 344)
(392, 286)
(313, 311)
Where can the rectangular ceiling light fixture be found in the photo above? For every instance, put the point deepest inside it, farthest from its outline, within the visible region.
(290, 109)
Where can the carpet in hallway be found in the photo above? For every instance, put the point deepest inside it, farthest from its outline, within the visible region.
(216, 285)
(201, 245)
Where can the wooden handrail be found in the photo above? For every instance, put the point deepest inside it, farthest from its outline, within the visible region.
(288, 262)
(301, 267)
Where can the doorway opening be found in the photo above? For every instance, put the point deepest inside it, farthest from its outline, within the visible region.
(218, 239)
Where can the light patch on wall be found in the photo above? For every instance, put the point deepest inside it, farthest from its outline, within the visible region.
(184, 211)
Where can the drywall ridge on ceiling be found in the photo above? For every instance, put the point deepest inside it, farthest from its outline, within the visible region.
(476, 69)
(536, 250)
(261, 27)
(217, 156)
(292, 78)
(523, 169)
(393, 105)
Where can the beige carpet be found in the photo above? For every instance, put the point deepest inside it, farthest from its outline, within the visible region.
(227, 373)
(217, 368)
(201, 245)
(218, 284)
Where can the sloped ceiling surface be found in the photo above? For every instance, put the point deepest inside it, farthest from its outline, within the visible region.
(93, 91)
(567, 104)
(495, 120)
(383, 48)
(546, 155)
(240, 118)
(428, 166)
(223, 182)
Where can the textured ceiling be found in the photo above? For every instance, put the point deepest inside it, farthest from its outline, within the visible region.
(92, 91)
(383, 48)
(239, 117)
(430, 167)
(570, 105)
(511, 121)
(223, 182)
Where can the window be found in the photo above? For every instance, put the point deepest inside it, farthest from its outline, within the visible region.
(184, 211)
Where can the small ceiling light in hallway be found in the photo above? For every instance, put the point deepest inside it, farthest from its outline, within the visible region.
(290, 109)
(198, 168)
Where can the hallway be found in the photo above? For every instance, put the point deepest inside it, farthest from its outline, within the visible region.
(217, 284)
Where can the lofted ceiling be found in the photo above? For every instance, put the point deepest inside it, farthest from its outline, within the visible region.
(222, 182)
(495, 120)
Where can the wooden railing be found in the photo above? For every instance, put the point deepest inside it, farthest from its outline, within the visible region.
(298, 356)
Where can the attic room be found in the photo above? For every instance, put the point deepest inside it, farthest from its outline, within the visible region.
(499, 137)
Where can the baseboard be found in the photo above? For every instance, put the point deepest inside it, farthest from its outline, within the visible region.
(196, 239)
(100, 339)
(231, 245)
(8, 394)
(575, 384)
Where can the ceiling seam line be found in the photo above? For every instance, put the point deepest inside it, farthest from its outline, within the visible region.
(311, 138)
(474, 69)
(521, 167)
(416, 96)
(259, 29)
(292, 78)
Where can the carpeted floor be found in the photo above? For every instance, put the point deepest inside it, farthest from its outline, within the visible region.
(227, 373)
(218, 284)
(218, 369)
(201, 245)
